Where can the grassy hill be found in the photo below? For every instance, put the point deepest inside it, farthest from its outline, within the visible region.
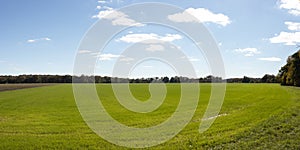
(253, 116)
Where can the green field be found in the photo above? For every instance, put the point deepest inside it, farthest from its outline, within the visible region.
(253, 116)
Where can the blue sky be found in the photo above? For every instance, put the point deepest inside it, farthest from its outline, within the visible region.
(42, 37)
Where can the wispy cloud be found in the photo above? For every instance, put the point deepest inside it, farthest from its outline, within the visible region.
(293, 6)
(293, 26)
(136, 38)
(288, 38)
(200, 15)
(117, 18)
(84, 51)
(155, 48)
(108, 56)
(191, 59)
(126, 59)
(98, 7)
(248, 52)
(38, 40)
(102, 57)
(273, 59)
(102, 2)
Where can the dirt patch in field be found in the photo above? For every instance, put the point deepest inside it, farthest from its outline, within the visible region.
(9, 87)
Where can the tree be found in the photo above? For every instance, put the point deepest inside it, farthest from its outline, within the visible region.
(268, 79)
(290, 73)
(165, 80)
(246, 79)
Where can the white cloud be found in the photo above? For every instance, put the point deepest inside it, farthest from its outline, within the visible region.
(106, 7)
(170, 37)
(108, 56)
(293, 26)
(126, 59)
(84, 52)
(200, 15)
(102, 2)
(38, 40)
(293, 6)
(248, 52)
(46, 39)
(270, 59)
(154, 48)
(191, 59)
(98, 7)
(102, 14)
(295, 12)
(287, 38)
(135, 38)
(117, 18)
(31, 41)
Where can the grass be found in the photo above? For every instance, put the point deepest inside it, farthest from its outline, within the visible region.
(9, 87)
(254, 116)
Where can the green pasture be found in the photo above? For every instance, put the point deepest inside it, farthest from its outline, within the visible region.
(253, 116)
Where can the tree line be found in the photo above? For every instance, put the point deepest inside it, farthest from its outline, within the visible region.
(265, 79)
(105, 79)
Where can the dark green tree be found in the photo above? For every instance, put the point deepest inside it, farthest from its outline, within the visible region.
(268, 79)
(290, 73)
(246, 79)
(165, 80)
